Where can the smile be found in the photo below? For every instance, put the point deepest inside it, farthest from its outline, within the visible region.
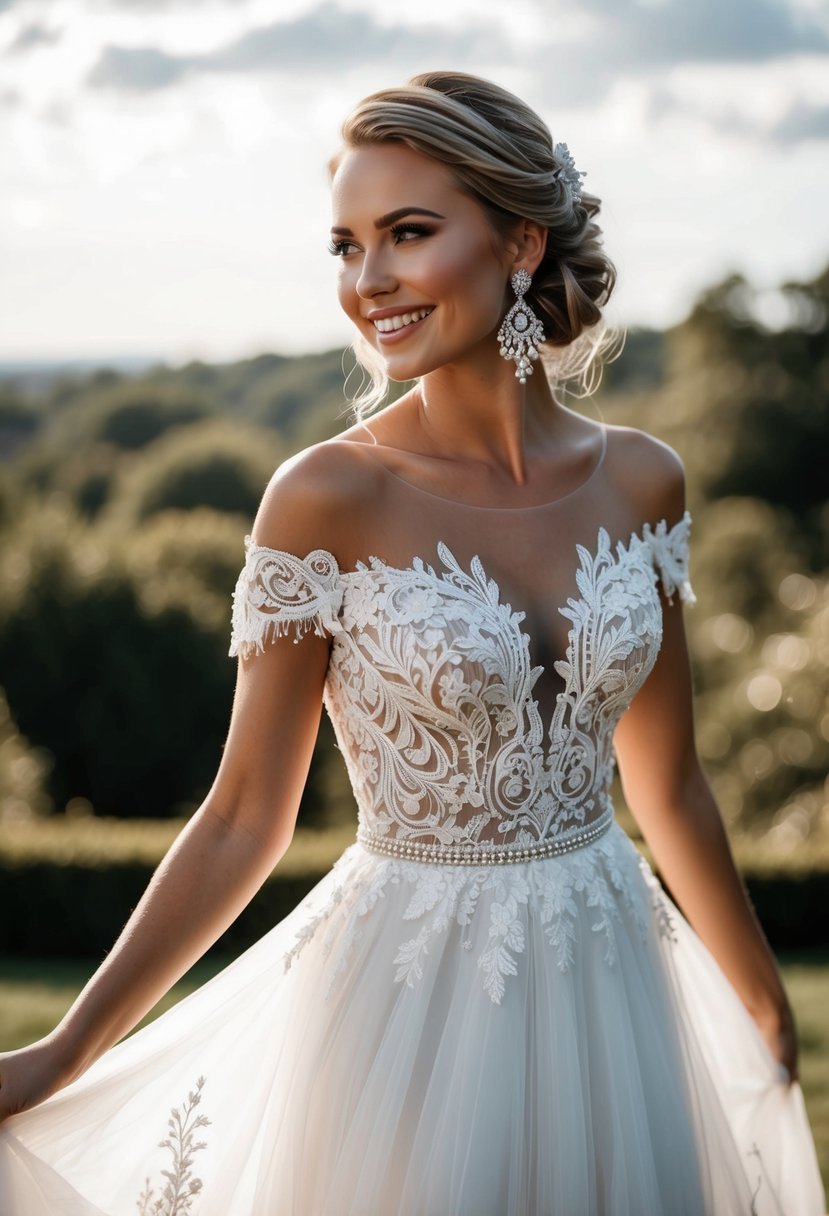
(386, 325)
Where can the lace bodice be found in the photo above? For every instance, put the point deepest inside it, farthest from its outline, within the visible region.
(431, 686)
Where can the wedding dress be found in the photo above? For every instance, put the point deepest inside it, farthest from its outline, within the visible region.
(489, 1006)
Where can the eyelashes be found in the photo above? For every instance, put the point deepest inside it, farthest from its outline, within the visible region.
(341, 246)
(411, 229)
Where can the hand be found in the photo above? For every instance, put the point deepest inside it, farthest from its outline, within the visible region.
(29, 1076)
(777, 1026)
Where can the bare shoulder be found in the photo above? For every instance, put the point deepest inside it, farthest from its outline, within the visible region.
(317, 499)
(648, 471)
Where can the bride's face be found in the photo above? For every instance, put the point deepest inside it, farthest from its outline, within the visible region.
(423, 275)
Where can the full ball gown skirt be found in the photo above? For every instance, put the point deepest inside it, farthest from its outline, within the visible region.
(489, 1006)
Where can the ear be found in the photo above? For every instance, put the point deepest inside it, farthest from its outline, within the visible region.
(530, 238)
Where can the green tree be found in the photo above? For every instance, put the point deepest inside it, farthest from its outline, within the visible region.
(218, 464)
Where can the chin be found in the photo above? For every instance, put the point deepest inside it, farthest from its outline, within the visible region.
(401, 370)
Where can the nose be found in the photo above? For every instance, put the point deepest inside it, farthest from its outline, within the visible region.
(376, 274)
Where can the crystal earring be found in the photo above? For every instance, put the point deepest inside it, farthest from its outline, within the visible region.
(521, 332)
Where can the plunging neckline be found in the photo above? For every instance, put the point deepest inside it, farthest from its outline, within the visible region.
(617, 552)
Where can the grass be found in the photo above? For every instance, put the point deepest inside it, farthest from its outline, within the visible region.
(807, 982)
(35, 994)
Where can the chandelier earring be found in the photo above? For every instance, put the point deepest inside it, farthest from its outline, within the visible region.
(521, 333)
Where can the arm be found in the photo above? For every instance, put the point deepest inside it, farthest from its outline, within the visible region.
(213, 869)
(671, 799)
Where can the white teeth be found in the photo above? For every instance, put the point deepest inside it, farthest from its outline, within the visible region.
(386, 325)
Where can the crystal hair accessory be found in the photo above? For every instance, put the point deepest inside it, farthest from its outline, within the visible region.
(567, 171)
(521, 332)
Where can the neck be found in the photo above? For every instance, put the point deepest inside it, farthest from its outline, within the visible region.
(482, 413)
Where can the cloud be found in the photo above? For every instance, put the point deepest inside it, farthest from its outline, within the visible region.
(641, 39)
(647, 33)
(10, 99)
(137, 69)
(325, 38)
(800, 123)
(34, 34)
(803, 123)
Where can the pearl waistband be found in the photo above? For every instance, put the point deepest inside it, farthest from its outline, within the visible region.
(489, 854)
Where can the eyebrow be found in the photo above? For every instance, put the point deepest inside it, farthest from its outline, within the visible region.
(386, 220)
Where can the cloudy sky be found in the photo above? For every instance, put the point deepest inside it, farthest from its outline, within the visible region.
(162, 182)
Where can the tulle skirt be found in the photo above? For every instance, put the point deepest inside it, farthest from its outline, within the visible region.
(357, 1081)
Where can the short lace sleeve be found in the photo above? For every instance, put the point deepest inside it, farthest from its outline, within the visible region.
(669, 547)
(277, 592)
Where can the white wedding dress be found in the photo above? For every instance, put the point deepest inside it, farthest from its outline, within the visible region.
(489, 1007)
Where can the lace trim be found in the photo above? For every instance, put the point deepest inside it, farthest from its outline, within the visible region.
(276, 591)
(670, 549)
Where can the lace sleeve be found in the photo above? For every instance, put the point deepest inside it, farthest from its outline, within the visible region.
(277, 592)
(670, 555)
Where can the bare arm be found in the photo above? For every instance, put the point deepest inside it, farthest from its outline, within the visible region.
(671, 799)
(213, 869)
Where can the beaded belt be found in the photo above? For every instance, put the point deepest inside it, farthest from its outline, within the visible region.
(489, 854)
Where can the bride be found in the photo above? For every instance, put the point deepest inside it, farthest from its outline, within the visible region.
(489, 1007)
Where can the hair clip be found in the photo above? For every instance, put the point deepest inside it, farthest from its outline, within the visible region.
(567, 171)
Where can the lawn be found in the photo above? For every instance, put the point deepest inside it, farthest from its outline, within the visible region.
(35, 994)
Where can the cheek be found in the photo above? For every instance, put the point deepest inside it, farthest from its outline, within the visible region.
(470, 273)
(347, 291)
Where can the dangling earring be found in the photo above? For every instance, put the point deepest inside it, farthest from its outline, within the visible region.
(521, 333)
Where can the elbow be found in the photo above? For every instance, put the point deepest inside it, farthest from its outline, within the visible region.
(677, 791)
(256, 820)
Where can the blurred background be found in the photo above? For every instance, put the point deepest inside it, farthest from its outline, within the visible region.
(169, 334)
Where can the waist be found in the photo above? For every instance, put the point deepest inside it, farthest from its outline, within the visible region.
(486, 853)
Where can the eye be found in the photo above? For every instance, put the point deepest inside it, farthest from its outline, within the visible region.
(340, 247)
(404, 232)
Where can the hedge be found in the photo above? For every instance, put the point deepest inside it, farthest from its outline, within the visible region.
(67, 887)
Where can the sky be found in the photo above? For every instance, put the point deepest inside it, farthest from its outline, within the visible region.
(163, 188)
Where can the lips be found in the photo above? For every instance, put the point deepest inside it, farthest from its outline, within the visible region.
(391, 324)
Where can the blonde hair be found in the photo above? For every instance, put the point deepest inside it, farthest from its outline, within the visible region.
(502, 154)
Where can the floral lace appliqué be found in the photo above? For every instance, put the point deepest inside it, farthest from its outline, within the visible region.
(602, 878)
(181, 1186)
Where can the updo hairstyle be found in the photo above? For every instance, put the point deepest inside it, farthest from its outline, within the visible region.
(501, 153)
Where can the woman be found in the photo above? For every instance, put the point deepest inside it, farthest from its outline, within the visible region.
(488, 1006)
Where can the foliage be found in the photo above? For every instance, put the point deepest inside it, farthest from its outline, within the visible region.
(86, 446)
(23, 771)
(84, 655)
(131, 414)
(79, 879)
(19, 422)
(115, 659)
(214, 464)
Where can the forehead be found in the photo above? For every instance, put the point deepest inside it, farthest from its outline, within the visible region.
(381, 177)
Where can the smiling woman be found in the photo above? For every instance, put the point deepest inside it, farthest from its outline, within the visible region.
(499, 156)
(489, 1006)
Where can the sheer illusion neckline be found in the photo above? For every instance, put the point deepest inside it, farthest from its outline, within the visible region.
(467, 506)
